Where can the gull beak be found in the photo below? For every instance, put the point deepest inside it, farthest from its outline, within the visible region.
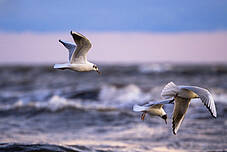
(143, 115)
(165, 118)
(166, 121)
(98, 72)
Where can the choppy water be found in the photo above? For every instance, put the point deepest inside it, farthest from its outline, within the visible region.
(42, 109)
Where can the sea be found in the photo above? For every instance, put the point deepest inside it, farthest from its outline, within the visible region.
(48, 110)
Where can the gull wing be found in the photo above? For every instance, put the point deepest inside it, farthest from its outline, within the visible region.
(138, 108)
(179, 111)
(71, 47)
(205, 97)
(170, 90)
(83, 46)
(159, 104)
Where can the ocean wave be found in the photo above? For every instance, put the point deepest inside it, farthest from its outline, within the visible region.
(57, 103)
(9, 147)
(154, 68)
(110, 97)
(221, 98)
(182, 68)
(122, 96)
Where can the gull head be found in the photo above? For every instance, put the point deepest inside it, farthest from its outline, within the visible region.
(95, 68)
(165, 118)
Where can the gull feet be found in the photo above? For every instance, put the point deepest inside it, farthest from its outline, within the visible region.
(143, 115)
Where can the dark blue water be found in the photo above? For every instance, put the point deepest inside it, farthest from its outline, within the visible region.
(42, 109)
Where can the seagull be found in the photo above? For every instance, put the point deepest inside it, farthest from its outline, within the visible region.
(153, 109)
(182, 96)
(77, 54)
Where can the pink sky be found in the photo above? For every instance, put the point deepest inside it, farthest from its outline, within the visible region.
(117, 47)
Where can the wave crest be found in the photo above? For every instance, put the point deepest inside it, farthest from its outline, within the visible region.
(110, 97)
(154, 68)
(126, 95)
(54, 104)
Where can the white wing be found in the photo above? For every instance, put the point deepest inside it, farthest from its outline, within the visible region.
(179, 111)
(170, 90)
(83, 46)
(205, 96)
(138, 108)
(71, 47)
(159, 104)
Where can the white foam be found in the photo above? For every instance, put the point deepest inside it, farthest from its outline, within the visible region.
(110, 97)
(149, 68)
(220, 98)
(54, 104)
(57, 103)
(123, 96)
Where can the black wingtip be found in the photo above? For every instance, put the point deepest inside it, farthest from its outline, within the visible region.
(71, 32)
(172, 101)
(61, 41)
(215, 115)
(174, 131)
(173, 126)
(212, 114)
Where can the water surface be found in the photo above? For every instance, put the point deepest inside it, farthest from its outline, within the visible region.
(42, 109)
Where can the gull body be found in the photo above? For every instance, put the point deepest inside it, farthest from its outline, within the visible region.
(182, 97)
(77, 55)
(153, 109)
(75, 67)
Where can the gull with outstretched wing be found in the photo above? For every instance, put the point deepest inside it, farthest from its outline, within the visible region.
(77, 54)
(153, 109)
(182, 96)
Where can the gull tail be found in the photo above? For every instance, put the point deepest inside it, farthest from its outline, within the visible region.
(170, 90)
(138, 108)
(60, 66)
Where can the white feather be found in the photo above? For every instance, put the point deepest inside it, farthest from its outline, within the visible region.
(205, 97)
(170, 90)
(71, 48)
(77, 54)
(138, 108)
(61, 66)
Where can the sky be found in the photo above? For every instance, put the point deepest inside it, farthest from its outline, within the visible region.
(113, 15)
(148, 26)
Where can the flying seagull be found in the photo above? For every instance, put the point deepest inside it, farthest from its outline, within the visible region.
(182, 96)
(77, 54)
(153, 109)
